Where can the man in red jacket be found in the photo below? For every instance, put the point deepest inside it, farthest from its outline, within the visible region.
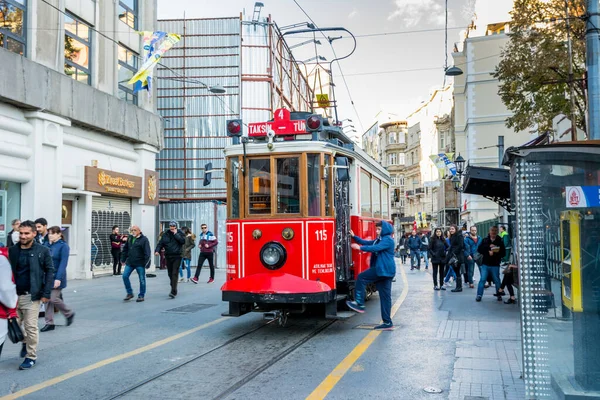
(207, 245)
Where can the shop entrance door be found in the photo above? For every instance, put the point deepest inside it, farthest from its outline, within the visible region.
(107, 212)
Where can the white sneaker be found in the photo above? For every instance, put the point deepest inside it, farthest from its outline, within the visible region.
(181, 280)
(186, 280)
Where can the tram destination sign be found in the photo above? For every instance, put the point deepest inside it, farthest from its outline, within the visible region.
(582, 196)
(282, 124)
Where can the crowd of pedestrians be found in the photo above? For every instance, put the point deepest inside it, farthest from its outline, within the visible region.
(454, 254)
(33, 273)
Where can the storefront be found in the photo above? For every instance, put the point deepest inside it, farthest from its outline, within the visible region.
(10, 207)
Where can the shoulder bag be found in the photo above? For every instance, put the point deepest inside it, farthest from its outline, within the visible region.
(15, 334)
(478, 258)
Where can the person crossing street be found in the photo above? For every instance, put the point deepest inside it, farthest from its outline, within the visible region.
(208, 242)
(136, 256)
(172, 241)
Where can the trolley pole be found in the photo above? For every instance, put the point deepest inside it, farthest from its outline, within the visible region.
(593, 69)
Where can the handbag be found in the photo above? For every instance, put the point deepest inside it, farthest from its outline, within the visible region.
(15, 334)
(453, 261)
(478, 258)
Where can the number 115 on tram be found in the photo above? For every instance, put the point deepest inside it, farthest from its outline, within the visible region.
(296, 186)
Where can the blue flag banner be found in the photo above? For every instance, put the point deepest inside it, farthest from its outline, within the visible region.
(582, 196)
(449, 164)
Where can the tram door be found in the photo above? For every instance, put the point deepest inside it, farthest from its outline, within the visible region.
(343, 252)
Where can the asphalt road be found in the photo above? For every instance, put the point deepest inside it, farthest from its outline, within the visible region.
(137, 349)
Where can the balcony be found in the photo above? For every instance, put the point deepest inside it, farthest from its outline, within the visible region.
(420, 191)
(410, 193)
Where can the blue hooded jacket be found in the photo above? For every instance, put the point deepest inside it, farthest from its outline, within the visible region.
(60, 258)
(382, 249)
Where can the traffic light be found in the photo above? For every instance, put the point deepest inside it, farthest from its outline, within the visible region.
(234, 127)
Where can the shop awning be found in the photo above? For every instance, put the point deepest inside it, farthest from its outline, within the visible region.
(491, 183)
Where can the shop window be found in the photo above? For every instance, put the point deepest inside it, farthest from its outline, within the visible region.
(10, 207)
(78, 49)
(314, 185)
(365, 194)
(288, 185)
(128, 13)
(376, 196)
(128, 66)
(260, 186)
(13, 33)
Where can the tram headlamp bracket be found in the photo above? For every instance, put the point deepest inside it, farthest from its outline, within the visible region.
(273, 255)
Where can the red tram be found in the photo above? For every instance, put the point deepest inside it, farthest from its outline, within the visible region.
(296, 186)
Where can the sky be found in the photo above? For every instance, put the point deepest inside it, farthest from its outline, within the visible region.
(388, 75)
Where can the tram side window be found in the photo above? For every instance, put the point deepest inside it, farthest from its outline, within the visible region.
(288, 185)
(314, 185)
(376, 196)
(365, 194)
(329, 178)
(234, 180)
(259, 201)
(385, 201)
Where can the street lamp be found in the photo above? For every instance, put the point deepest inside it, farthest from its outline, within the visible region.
(460, 164)
(456, 183)
(454, 71)
(217, 89)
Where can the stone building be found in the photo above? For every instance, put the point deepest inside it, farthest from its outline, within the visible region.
(77, 147)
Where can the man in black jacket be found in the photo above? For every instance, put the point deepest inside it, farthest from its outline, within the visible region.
(32, 268)
(136, 256)
(172, 241)
(492, 248)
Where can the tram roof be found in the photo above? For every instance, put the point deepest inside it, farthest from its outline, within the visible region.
(296, 146)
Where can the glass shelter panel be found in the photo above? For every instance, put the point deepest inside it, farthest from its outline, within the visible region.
(288, 185)
(259, 201)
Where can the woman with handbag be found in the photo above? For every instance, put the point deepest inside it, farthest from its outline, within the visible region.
(8, 297)
(455, 256)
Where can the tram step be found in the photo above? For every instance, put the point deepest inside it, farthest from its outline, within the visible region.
(341, 315)
(341, 297)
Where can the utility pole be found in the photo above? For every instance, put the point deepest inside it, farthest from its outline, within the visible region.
(571, 80)
(592, 40)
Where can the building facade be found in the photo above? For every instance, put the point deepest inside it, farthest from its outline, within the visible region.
(250, 60)
(392, 137)
(77, 147)
(480, 115)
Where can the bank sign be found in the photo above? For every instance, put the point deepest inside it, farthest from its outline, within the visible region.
(112, 183)
(582, 196)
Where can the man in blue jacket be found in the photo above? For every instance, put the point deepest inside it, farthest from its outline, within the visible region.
(414, 245)
(381, 272)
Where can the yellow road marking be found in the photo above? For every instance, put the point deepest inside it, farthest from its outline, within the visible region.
(334, 377)
(103, 363)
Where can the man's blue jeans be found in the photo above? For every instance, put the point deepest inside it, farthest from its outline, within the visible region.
(185, 263)
(141, 274)
(470, 269)
(485, 270)
(384, 287)
(415, 258)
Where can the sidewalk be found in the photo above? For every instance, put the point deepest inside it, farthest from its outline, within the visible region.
(488, 359)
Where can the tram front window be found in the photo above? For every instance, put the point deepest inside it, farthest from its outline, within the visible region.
(260, 186)
(288, 188)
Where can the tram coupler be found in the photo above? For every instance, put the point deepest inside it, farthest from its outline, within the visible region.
(280, 316)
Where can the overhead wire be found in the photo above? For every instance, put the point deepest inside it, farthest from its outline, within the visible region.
(339, 66)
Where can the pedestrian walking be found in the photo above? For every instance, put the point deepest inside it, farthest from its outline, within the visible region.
(8, 297)
(449, 271)
(162, 260)
(472, 241)
(172, 241)
(414, 245)
(507, 243)
(13, 235)
(207, 245)
(33, 270)
(404, 247)
(41, 227)
(186, 253)
(425, 249)
(59, 250)
(492, 249)
(455, 256)
(381, 272)
(437, 252)
(116, 242)
(507, 282)
(137, 256)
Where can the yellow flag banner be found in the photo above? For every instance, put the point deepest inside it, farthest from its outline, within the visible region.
(159, 44)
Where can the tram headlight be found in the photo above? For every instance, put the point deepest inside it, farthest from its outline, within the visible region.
(273, 255)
